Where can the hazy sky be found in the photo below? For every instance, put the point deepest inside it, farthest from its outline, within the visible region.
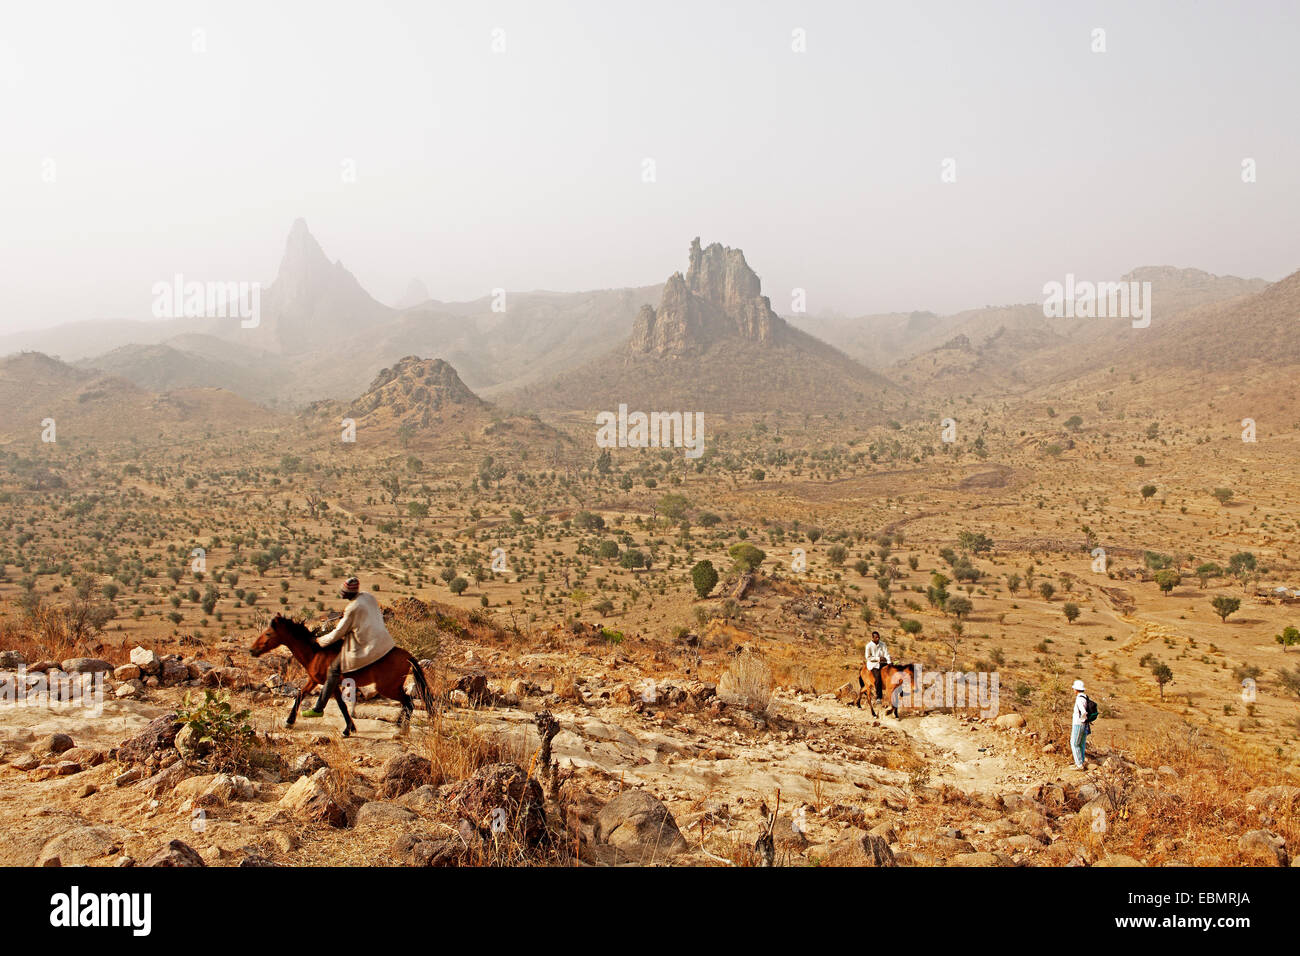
(523, 169)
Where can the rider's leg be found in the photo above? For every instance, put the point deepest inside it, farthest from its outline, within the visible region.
(332, 680)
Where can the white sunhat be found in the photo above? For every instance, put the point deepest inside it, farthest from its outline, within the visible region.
(1078, 685)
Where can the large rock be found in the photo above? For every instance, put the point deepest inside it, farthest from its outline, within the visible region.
(719, 297)
(53, 744)
(378, 813)
(1009, 721)
(158, 736)
(404, 773)
(639, 825)
(861, 849)
(81, 845)
(499, 797)
(175, 853)
(148, 661)
(412, 849)
(319, 798)
(86, 665)
(174, 671)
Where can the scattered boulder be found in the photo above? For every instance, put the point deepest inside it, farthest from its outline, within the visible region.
(174, 671)
(379, 813)
(148, 661)
(53, 744)
(319, 798)
(501, 787)
(158, 736)
(175, 853)
(640, 826)
(86, 665)
(304, 765)
(403, 773)
(1009, 721)
(861, 849)
(81, 845)
(129, 690)
(412, 849)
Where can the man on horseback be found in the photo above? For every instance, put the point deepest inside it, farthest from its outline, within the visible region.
(877, 654)
(364, 636)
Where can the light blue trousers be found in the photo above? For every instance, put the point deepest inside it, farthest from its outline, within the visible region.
(1079, 741)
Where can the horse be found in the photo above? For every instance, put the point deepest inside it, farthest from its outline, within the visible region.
(892, 677)
(387, 675)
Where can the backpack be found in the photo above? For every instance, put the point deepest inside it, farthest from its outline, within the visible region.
(1090, 709)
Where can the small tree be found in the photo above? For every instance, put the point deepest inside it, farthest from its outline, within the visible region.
(959, 607)
(457, 585)
(1288, 637)
(1168, 580)
(1223, 494)
(1163, 675)
(1207, 572)
(1071, 611)
(705, 577)
(1148, 491)
(746, 556)
(1225, 606)
(1046, 590)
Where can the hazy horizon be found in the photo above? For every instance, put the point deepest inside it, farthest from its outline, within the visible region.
(523, 169)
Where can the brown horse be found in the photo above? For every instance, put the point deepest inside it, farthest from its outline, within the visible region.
(892, 679)
(387, 675)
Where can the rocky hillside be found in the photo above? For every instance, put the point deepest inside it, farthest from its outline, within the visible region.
(714, 344)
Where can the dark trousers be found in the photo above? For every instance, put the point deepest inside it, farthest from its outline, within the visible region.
(880, 682)
(332, 680)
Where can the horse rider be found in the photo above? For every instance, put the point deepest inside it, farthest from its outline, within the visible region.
(877, 653)
(364, 636)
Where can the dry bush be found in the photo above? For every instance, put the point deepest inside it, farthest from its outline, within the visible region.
(58, 632)
(747, 682)
(456, 749)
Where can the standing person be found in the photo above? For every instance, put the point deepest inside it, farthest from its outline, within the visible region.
(877, 653)
(1080, 725)
(364, 636)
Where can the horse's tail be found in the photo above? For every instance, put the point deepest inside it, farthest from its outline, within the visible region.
(422, 685)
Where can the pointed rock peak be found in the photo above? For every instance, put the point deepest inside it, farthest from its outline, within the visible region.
(721, 274)
(416, 294)
(718, 298)
(303, 257)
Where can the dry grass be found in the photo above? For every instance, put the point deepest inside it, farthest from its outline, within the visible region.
(56, 632)
(747, 682)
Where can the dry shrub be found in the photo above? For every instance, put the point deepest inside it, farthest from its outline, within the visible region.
(457, 749)
(747, 682)
(58, 632)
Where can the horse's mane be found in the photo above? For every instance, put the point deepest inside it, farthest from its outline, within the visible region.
(297, 626)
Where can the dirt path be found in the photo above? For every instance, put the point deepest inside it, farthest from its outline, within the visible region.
(968, 756)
